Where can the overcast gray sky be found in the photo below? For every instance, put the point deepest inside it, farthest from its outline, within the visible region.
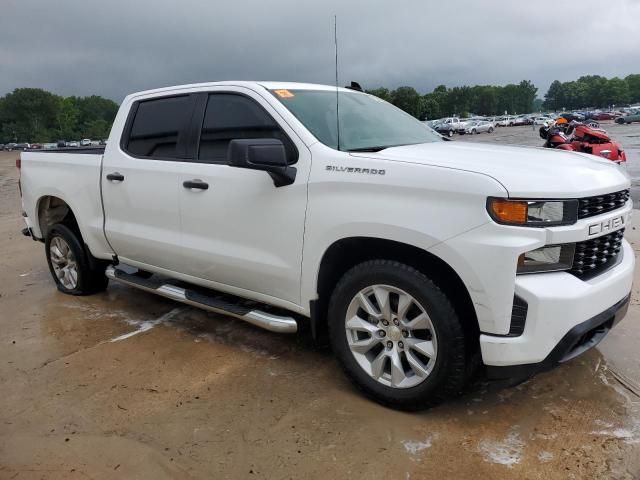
(114, 47)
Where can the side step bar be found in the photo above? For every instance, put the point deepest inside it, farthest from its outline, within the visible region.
(212, 301)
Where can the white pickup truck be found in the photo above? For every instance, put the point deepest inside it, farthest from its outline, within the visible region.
(413, 256)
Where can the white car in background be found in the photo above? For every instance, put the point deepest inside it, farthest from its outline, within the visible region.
(479, 126)
(541, 121)
(505, 121)
(85, 142)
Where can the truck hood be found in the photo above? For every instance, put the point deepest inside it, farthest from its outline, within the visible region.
(523, 171)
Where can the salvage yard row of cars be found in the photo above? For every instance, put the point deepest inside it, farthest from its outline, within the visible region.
(474, 125)
(85, 142)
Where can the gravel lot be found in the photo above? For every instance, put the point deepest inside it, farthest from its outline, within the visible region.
(128, 385)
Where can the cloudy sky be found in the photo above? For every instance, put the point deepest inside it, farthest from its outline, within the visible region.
(114, 47)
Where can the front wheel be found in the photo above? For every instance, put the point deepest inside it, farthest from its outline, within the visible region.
(71, 267)
(450, 133)
(397, 335)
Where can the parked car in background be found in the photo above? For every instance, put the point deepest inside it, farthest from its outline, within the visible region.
(628, 119)
(572, 116)
(519, 121)
(453, 122)
(103, 142)
(1, 146)
(445, 129)
(73, 144)
(61, 144)
(35, 146)
(541, 121)
(85, 142)
(49, 146)
(505, 121)
(22, 146)
(479, 126)
(10, 146)
(601, 116)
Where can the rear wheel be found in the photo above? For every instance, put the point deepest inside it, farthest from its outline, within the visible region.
(397, 336)
(72, 267)
(450, 133)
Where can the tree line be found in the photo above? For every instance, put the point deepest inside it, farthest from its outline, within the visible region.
(479, 99)
(35, 115)
(593, 91)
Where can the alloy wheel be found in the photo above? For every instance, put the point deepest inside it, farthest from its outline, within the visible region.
(64, 263)
(391, 336)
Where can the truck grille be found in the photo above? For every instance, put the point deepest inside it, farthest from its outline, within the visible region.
(591, 206)
(594, 256)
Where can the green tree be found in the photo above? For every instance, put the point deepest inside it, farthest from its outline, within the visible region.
(430, 107)
(525, 96)
(382, 93)
(633, 84)
(29, 113)
(67, 119)
(616, 92)
(35, 115)
(553, 97)
(408, 99)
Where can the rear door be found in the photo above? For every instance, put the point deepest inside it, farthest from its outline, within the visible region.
(242, 232)
(140, 182)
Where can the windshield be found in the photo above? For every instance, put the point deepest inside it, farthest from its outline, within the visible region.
(366, 122)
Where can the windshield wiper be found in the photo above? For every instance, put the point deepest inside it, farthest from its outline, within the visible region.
(372, 149)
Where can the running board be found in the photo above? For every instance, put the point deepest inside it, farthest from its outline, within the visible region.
(212, 301)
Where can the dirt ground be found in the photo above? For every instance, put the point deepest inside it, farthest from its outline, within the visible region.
(128, 385)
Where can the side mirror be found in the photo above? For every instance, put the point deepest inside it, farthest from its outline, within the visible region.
(267, 154)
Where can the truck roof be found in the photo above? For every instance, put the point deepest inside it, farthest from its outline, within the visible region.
(269, 85)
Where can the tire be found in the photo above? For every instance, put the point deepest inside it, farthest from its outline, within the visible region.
(73, 269)
(490, 129)
(444, 373)
(450, 133)
(473, 132)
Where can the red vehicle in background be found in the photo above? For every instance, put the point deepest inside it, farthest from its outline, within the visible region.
(602, 116)
(578, 137)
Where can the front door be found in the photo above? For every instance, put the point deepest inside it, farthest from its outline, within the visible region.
(242, 232)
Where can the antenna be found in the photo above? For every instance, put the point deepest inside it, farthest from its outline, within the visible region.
(335, 41)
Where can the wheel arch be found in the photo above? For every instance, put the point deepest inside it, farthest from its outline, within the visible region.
(345, 253)
(52, 209)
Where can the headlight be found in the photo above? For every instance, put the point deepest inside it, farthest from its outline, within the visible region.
(533, 213)
(550, 258)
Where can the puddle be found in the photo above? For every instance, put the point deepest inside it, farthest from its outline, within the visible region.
(415, 447)
(507, 451)
(144, 326)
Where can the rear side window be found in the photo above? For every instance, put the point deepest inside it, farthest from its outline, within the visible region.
(157, 126)
(229, 116)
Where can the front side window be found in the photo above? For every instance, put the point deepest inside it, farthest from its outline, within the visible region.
(367, 123)
(157, 125)
(229, 117)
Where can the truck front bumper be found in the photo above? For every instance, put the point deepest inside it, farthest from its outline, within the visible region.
(566, 316)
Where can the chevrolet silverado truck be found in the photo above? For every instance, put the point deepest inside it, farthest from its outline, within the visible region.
(413, 257)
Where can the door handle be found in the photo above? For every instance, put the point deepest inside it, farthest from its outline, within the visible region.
(115, 177)
(196, 183)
